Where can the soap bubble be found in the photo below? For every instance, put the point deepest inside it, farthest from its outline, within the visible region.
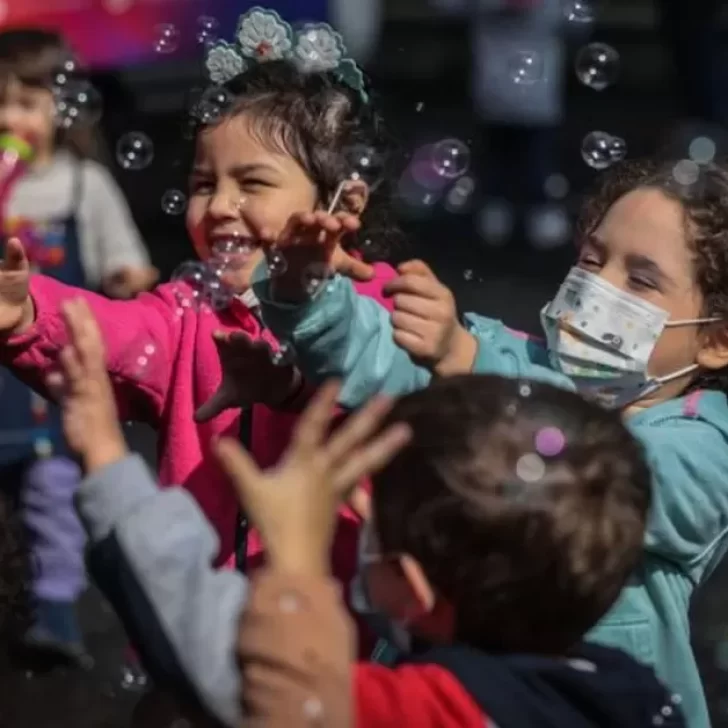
(580, 12)
(174, 202)
(277, 264)
(530, 467)
(597, 66)
(167, 38)
(315, 276)
(134, 151)
(193, 273)
(525, 67)
(450, 158)
(460, 195)
(702, 150)
(212, 104)
(550, 441)
(133, 677)
(365, 163)
(207, 28)
(686, 172)
(600, 150)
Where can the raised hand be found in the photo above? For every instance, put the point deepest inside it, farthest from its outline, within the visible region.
(248, 376)
(312, 244)
(83, 388)
(294, 504)
(425, 321)
(16, 306)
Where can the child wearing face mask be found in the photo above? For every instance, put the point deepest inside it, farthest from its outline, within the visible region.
(77, 229)
(280, 147)
(639, 324)
(496, 648)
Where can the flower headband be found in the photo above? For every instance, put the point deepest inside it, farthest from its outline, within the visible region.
(262, 35)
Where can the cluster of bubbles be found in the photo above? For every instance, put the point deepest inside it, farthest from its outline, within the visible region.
(600, 149)
(202, 281)
(76, 100)
(167, 36)
(437, 171)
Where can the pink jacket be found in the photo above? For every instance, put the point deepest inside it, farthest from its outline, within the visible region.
(164, 365)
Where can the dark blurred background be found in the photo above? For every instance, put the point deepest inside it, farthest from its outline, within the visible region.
(420, 60)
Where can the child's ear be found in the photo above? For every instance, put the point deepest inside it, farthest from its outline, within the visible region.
(713, 354)
(355, 196)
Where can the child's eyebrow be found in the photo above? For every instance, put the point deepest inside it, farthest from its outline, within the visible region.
(242, 169)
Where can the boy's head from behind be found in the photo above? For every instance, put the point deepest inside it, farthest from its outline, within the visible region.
(511, 521)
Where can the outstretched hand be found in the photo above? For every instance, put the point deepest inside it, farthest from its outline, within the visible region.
(83, 388)
(294, 504)
(425, 321)
(16, 306)
(248, 376)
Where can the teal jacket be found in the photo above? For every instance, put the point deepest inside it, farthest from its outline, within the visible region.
(340, 334)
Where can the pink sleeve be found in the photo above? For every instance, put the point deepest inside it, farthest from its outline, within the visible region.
(141, 337)
(383, 273)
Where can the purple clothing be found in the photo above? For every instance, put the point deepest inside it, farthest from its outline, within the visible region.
(56, 537)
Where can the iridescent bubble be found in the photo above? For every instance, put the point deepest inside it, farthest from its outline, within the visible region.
(600, 150)
(450, 158)
(207, 28)
(597, 66)
(525, 67)
(277, 264)
(468, 274)
(580, 11)
(174, 202)
(550, 441)
(167, 38)
(216, 294)
(284, 355)
(134, 151)
(212, 104)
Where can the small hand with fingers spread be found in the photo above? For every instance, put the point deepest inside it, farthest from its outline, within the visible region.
(425, 321)
(16, 306)
(313, 240)
(83, 388)
(294, 505)
(249, 376)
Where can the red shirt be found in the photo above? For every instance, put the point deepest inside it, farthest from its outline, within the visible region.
(416, 696)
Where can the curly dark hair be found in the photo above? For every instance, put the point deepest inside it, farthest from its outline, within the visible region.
(529, 549)
(327, 127)
(702, 190)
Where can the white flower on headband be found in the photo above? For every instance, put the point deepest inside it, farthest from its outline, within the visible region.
(263, 35)
(318, 48)
(223, 62)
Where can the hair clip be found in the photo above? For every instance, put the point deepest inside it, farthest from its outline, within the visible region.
(262, 35)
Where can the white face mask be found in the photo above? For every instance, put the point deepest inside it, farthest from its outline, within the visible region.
(388, 629)
(602, 338)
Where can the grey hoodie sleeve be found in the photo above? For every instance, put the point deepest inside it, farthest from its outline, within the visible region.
(151, 553)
